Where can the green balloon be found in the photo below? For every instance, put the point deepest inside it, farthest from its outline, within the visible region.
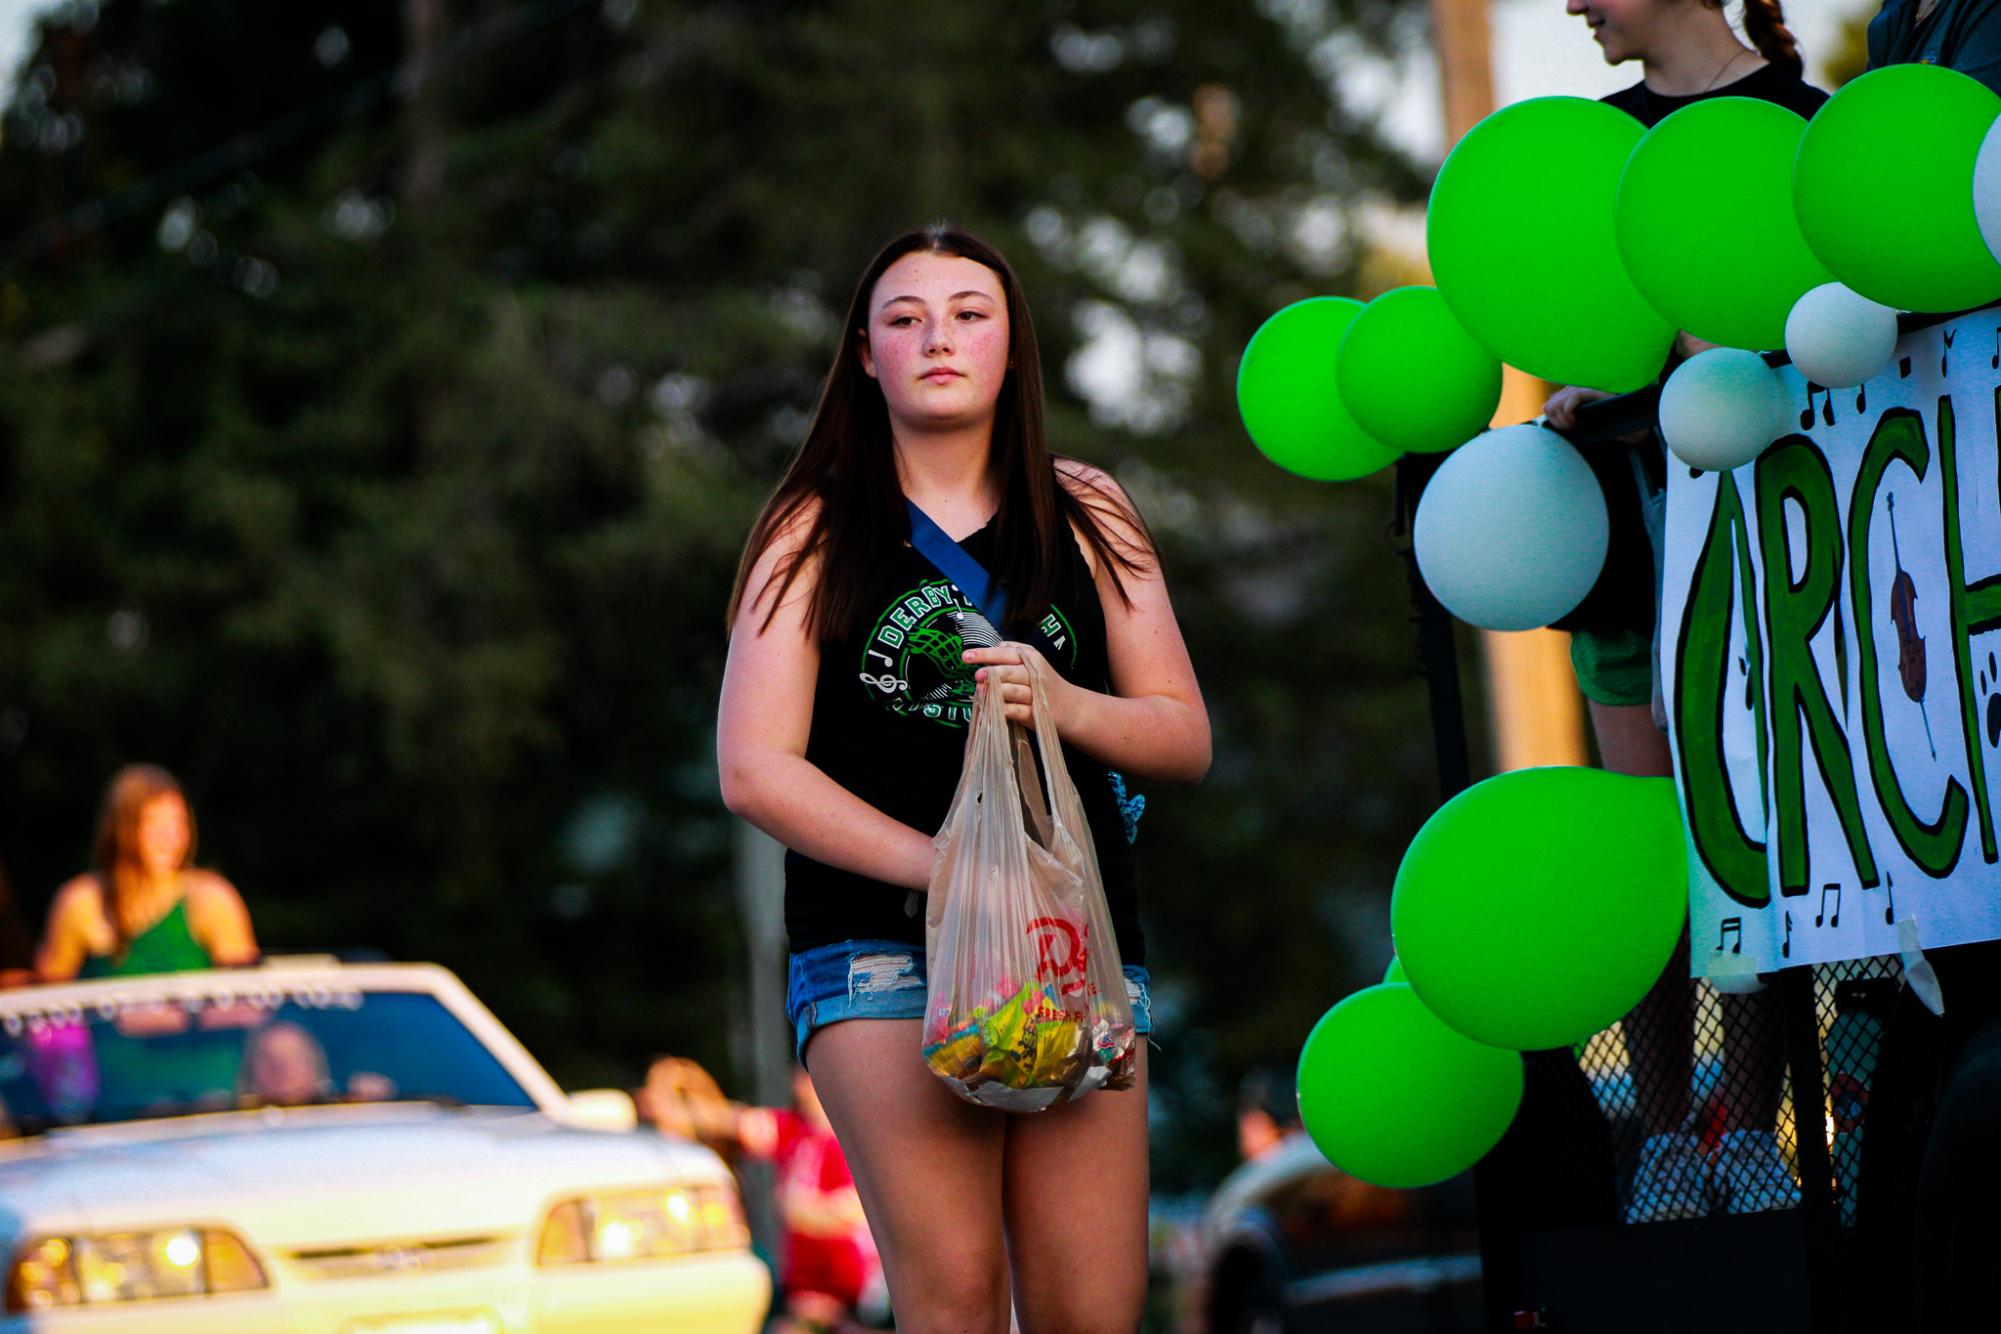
(1393, 1096)
(1521, 241)
(1289, 400)
(1413, 377)
(1704, 219)
(1535, 908)
(1394, 973)
(1883, 186)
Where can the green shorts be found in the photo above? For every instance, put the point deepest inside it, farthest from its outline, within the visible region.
(1614, 666)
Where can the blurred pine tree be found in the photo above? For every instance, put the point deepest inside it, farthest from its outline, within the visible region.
(379, 435)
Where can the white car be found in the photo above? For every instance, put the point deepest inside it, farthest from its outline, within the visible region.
(312, 1148)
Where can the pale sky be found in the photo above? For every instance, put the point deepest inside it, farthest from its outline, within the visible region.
(14, 32)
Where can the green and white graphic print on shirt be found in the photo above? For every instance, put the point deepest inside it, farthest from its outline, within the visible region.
(911, 657)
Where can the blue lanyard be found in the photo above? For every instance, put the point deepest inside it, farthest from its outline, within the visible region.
(969, 575)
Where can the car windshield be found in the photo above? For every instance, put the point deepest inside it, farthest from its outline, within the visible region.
(139, 1057)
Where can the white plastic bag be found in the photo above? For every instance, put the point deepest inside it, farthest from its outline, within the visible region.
(1026, 1006)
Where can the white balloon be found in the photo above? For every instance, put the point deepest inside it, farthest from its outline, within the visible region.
(1987, 189)
(1721, 408)
(1838, 337)
(1511, 532)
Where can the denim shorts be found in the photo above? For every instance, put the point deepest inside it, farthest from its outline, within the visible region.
(884, 979)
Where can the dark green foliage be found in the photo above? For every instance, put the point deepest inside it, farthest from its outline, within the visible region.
(398, 518)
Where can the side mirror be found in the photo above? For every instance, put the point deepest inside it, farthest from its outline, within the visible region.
(602, 1109)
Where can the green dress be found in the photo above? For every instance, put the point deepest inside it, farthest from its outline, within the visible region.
(167, 946)
(199, 1065)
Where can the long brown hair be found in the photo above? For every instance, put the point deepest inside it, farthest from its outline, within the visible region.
(847, 464)
(115, 851)
(1765, 25)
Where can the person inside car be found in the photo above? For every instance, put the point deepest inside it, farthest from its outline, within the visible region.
(284, 1065)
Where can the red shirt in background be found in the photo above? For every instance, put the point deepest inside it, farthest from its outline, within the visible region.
(827, 1246)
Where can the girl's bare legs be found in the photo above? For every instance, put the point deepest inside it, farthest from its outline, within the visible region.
(928, 1167)
(1076, 1198)
(1660, 1031)
(956, 1193)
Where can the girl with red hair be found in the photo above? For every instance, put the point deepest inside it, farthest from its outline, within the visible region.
(145, 907)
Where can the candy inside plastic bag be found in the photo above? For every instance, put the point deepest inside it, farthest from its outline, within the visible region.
(1027, 1002)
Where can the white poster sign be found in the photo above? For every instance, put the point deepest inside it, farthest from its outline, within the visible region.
(1831, 624)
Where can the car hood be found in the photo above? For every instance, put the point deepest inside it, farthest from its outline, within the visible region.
(306, 1176)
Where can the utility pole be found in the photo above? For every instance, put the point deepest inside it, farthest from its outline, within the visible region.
(1465, 42)
(760, 886)
(762, 1037)
(424, 168)
(1537, 714)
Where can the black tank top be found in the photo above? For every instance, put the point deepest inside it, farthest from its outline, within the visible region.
(1767, 83)
(890, 710)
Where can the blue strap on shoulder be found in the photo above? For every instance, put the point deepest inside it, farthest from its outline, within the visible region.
(953, 562)
(985, 592)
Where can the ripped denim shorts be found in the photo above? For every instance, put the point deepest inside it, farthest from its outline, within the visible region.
(885, 979)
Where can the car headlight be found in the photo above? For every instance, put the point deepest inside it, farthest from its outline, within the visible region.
(643, 1225)
(723, 1224)
(105, 1267)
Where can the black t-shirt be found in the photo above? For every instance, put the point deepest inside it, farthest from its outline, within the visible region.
(1767, 83)
(890, 711)
(1623, 598)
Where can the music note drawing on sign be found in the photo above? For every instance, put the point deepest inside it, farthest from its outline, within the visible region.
(1732, 929)
(1824, 917)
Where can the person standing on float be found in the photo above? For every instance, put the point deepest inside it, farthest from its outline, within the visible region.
(1687, 53)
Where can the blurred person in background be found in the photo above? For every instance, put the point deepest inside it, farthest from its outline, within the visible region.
(682, 1099)
(1962, 35)
(144, 907)
(284, 1066)
(1267, 1111)
(1687, 52)
(1273, 1145)
(829, 1271)
(829, 1268)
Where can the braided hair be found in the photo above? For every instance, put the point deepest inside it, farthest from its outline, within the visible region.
(1765, 25)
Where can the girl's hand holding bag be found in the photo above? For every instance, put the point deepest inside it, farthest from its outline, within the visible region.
(1026, 1006)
